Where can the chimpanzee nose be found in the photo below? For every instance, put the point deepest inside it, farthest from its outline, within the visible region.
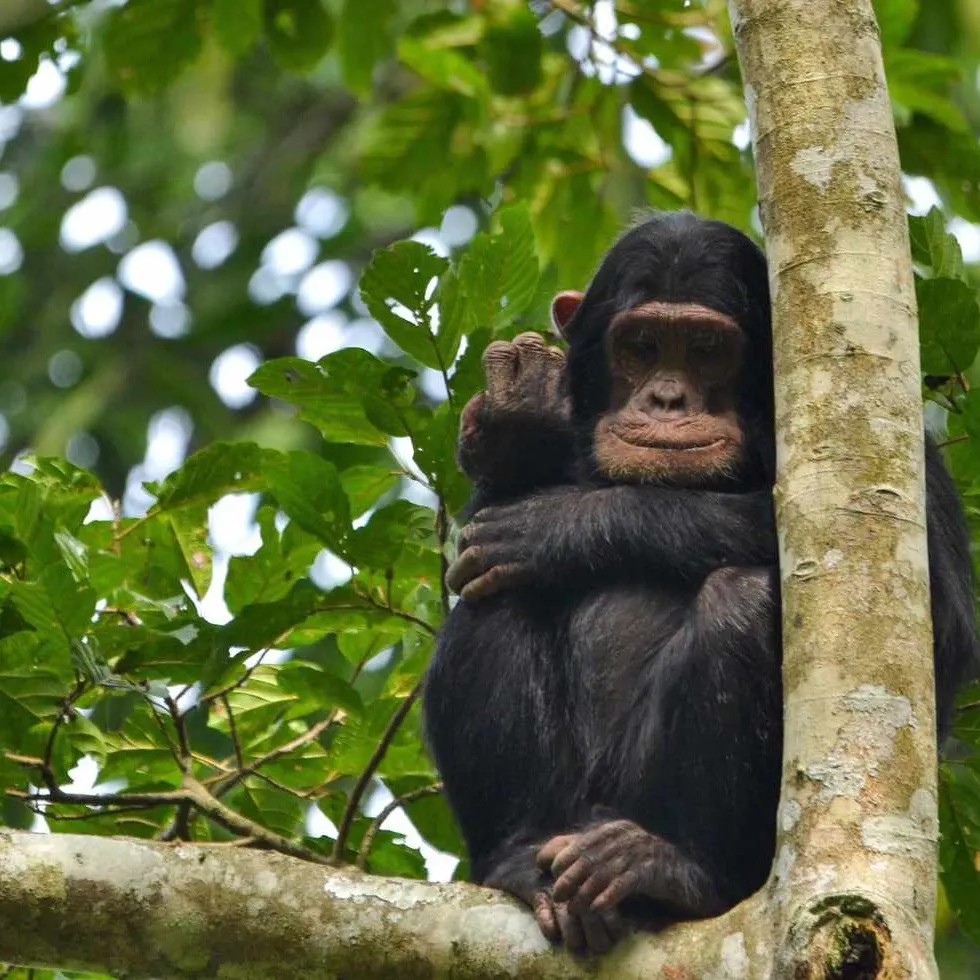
(667, 396)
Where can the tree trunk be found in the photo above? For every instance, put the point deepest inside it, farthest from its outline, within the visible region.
(855, 873)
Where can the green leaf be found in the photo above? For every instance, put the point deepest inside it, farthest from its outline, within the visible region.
(456, 316)
(390, 855)
(512, 48)
(281, 812)
(400, 145)
(381, 540)
(357, 740)
(140, 753)
(264, 624)
(499, 272)
(959, 816)
(190, 525)
(318, 688)
(308, 489)
(74, 553)
(33, 685)
(895, 19)
(366, 485)
(361, 48)
(971, 422)
(935, 247)
(397, 288)
(435, 455)
(148, 42)
(256, 703)
(237, 24)
(299, 32)
(275, 568)
(922, 82)
(434, 821)
(949, 325)
(334, 394)
(55, 605)
(573, 225)
(223, 467)
(442, 66)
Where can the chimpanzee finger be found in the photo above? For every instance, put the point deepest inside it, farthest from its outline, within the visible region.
(500, 578)
(544, 914)
(484, 530)
(499, 514)
(470, 563)
(570, 880)
(575, 849)
(554, 380)
(616, 925)
(533, 362)
(572, 934)
(620, 888)
(597, 882)
(470, 417)
(549, 850)
(603, 833)
(597, 936)
(499, 369)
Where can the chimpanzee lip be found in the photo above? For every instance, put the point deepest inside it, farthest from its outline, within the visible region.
(649, 437)
(675, 445)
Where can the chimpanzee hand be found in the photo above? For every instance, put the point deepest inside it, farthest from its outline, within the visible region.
(517, 433)
(579, 932)
(589, 931)
(597, 869)
(499, 549)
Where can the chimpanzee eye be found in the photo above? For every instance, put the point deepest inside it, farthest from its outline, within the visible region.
(704, 342)
(641, 346)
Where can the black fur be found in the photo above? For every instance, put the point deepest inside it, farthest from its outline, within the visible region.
(637, 675)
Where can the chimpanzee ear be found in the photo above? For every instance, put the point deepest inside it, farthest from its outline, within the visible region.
(563, 308)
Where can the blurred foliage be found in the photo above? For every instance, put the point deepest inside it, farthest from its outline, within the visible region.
(189, 190)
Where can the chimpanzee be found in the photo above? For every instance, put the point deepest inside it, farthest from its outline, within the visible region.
(605, 702)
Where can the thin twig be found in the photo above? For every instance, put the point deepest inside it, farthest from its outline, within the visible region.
(442, 532)
(142, 801)
(233, 732)
(364, 851)
(64, 714)
(192, 794)
(354, 802)
(185, 758)
(952, 442)
(397, 613)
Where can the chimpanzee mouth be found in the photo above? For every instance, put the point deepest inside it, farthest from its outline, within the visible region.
(657, 440)
(677, 447)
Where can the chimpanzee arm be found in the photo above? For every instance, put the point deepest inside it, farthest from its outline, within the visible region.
(954, 627)
(566, 536)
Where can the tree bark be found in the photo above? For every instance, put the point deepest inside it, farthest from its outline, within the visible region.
(855, 874)
(146, 909)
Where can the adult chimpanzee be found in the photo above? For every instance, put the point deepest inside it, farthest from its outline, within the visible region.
(605, 702)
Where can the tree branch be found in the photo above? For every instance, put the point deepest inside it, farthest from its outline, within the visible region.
(146, 909)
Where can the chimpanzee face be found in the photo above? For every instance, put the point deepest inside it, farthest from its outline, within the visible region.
(659, 353)
(672, 416)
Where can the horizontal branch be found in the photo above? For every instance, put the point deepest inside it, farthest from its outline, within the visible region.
(149, 909)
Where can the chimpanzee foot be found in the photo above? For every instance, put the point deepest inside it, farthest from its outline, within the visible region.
(598, 868)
